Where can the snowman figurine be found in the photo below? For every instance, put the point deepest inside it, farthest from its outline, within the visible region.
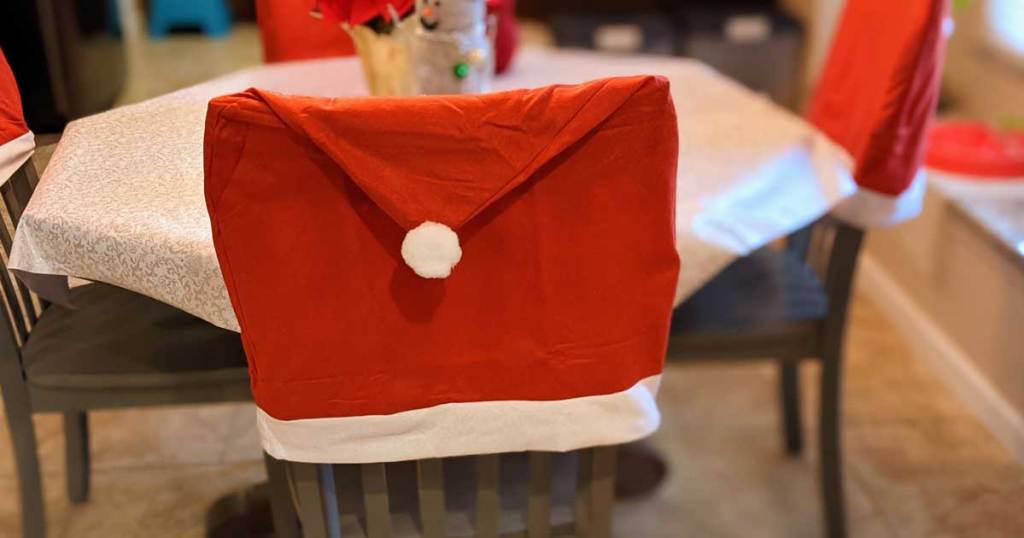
(451, 47)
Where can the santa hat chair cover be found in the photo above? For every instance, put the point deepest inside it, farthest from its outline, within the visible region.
(16, 141)
(877, 96)
(440, 276)
(288, 32)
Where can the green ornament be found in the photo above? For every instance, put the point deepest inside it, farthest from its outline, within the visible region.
(461, 70)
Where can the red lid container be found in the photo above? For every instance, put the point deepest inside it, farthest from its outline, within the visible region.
(977, 150)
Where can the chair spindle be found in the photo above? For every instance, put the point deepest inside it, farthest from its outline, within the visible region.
(582, 506)
(375, 499)
(430, 482)
(488, 501)
(539, 503)
(319, 514)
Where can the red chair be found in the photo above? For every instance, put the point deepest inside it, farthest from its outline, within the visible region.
(875, 98)
(16, 140)
(289, 32)
(436, 277)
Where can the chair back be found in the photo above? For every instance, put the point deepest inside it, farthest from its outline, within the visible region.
(536, 494)
(877, 95)
(288, 32)
(22, 307)
(18, 179)
(453, 267)
(457, 275)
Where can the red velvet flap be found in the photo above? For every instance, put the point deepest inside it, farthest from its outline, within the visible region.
(423, 159)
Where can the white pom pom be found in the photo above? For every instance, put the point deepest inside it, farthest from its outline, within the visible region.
(431, 250)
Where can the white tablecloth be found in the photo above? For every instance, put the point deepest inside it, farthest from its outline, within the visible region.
(122, 199)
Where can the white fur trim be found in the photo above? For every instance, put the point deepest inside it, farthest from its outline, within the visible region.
(431, 250)
(870, 209)
(460, 429)
(14, 153)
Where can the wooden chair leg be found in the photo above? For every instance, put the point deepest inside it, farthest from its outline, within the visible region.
(789, 399)
(76, 455)
(26, 458)
(831, 446)
(282, 507)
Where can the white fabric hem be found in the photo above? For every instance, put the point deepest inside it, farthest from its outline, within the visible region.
(461, 429)
(870, 209)
(13, 154)
(778, 197)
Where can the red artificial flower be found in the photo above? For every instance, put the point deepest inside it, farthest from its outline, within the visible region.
(356, 12)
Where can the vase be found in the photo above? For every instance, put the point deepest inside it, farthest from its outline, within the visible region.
(386, 59)
(444, 47)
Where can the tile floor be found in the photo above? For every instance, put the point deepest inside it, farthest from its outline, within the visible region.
(918, 464)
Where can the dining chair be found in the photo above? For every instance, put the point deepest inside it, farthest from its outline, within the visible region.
(876, 97)
(786, 304)
(431, 353)
(112, 349)
(529, 495)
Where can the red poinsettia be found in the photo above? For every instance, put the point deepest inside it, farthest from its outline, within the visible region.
(362, 11)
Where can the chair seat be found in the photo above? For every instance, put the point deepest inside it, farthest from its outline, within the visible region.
(114, 338)
(768, 303)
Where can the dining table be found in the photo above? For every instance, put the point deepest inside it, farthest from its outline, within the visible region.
(122, 201)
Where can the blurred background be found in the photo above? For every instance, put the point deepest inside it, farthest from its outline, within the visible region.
(80, 56)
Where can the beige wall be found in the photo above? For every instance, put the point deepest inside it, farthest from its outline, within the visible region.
(969, 285)
(982, 82)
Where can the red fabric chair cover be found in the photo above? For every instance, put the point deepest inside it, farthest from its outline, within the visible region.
(289, 32)
(16, 141)
(877, 96)
(549, 333)
(506, 39)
